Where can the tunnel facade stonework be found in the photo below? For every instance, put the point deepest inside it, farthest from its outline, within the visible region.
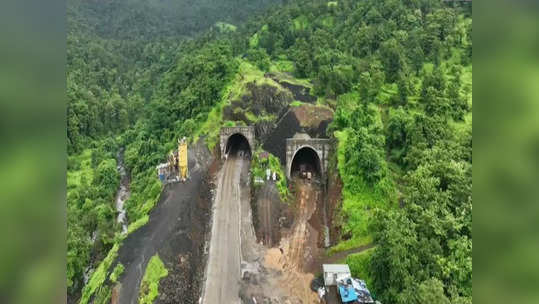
(319, 145)
(247, 131)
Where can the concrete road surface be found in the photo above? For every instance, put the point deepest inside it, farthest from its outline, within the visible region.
(223, 269)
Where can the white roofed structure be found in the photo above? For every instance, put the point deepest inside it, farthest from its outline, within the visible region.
(334, 273)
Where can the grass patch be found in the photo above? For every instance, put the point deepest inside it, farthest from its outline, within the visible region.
(116, 273)
(296, 103)
(146, 190)
(137, 224)
(254, 118)
(328, 21)
(350, 244)
(99, 275)
(225, 27)
(359, 265)
(467, 84)
(283, 76)
(387, 91)
(149, 287)
(253, 41)
(83, 169)
(301, 23)
(258, 169)
(247, 72)
(277, 66)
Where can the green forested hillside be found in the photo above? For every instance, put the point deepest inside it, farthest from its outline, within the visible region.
(396, 72)
(117, 52)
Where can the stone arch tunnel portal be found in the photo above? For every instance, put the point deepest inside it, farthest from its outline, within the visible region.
(305, 159)
(237, 143)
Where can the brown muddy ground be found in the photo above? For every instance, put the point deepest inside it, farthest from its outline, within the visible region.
(301, 245)
(267, 211)
(313, 117)
(285, 270)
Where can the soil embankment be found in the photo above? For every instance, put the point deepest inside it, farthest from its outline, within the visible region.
(301, 245)
(175, 231)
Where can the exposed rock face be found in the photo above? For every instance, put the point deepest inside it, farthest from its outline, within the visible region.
(259, 101)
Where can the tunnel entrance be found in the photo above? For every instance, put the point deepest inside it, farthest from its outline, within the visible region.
(237, 144)
(305, 160)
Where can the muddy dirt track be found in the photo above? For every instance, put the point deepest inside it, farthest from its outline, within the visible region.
(173, 231)
(224, 260)
(268, 214)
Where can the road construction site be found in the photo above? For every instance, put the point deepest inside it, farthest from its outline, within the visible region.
(225, 238)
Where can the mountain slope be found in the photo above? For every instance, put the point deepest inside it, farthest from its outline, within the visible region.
(397, 74)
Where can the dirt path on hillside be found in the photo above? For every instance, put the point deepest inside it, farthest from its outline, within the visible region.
(172, 231)
(282, 277)
(300, 245)
(267, 203)
(339, 256)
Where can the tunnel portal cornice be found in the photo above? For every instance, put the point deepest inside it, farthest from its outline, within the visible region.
(247, 131)
(320, 145)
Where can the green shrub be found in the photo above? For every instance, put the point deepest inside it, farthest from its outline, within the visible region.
(258, 169)
(359, 264)
(99, 275)
(116, 273)
(149, 287)
(137, 224)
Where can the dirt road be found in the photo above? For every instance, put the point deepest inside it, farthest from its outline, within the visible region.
(224, 260)
(268, 214)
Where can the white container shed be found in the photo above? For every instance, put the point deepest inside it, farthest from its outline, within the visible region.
(334, 273)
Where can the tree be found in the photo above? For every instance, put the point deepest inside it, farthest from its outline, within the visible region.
(392, 54)
(260, 58)
(73, 135)
(431, 291)
(107, 176)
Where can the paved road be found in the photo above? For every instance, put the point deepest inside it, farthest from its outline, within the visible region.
(223, 270)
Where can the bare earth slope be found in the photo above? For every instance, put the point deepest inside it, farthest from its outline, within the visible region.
(169, 230)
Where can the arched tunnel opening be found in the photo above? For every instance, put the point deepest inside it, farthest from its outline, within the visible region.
(305, 160)
(238, 145)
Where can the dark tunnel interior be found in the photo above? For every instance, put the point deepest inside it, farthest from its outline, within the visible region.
(238, 144)
(305, 159)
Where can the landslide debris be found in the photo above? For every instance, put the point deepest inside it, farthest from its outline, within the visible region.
(176, 230)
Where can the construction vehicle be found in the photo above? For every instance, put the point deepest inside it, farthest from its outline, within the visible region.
(183, 167)
(176, 168)
(340, 287)
(303, 170)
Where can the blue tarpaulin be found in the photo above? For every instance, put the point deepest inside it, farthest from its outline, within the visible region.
(348, 294)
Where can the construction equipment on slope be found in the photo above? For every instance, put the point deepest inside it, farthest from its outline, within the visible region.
(183, 167)
(176, 168)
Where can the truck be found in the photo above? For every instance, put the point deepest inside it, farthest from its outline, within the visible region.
(340, 287)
